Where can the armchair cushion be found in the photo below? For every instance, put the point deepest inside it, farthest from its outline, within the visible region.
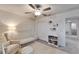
(12, 49)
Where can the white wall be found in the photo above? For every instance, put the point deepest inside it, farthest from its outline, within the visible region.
(43, 26)
(24, 25)
(26, 29)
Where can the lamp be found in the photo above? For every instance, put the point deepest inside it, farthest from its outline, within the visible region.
(12, 34)
(37, 12)
(11, 28)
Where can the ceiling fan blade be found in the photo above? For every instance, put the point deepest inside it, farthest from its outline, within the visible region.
(28, 12)
(46, 14)
(37, 5)
(46, 9)
(31, 5)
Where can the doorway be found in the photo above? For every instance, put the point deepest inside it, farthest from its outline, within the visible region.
(72, 34)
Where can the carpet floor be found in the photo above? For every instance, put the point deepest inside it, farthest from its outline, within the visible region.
(40, 48)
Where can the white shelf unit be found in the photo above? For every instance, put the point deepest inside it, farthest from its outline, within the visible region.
(53, 40)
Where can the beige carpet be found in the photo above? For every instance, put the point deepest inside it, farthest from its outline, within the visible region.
(40, 48)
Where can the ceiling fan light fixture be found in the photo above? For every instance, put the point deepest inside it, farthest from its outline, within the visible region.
(37, 13)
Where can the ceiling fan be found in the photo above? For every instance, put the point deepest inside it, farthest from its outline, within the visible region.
(38, 11)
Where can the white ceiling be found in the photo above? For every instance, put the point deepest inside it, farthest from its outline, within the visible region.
(19, 9)
(58, 8)
(14, 8)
